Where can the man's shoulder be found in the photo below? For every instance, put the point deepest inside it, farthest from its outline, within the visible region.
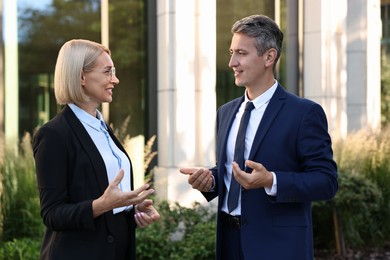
(232, 103)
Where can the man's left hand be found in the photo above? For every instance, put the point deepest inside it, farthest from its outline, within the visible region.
(258, 178)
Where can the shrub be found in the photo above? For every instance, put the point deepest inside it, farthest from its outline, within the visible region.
(182, 233)
(20, 198)
(17, 249)
(362, 203)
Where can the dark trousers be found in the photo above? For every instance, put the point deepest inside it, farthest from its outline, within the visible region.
(231, 243)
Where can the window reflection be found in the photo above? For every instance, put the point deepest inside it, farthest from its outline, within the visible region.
(128, 46)
(228, 12)
(44, 25)
(42, 29)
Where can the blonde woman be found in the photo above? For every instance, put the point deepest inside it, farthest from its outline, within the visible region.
(88, 203)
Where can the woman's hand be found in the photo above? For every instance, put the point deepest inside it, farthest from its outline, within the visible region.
(145, 213)
(114, 197)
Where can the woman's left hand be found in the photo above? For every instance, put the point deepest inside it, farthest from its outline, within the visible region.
(145, 213)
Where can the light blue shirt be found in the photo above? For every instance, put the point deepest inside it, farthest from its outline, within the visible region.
(107, 148)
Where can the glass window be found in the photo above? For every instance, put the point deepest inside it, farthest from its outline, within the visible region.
(44, 25)
(128, 45)
(228, 12)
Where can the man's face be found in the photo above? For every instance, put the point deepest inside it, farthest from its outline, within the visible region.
(248, 67)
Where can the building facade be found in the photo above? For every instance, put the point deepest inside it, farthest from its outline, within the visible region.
(171, 58)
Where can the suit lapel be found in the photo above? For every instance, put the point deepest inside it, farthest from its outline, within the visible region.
(89, 147)
(225, 122)
(270, 114)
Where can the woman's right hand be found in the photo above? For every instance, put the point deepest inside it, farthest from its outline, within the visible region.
(114, 197)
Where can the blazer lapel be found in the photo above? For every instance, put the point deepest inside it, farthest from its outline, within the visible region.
(270, 113)
(225, 122)
(89, 147)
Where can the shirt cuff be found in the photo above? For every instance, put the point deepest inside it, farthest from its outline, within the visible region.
(213, 187)
(273, 190)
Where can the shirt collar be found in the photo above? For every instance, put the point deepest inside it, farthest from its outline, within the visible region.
(263, 98)
(83, 116)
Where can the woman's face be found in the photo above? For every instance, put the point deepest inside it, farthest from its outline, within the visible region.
(98, 84)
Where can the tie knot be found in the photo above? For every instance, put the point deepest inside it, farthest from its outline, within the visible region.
(249, 106)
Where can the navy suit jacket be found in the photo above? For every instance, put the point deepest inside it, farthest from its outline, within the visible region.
(71, 173)
(292, 140)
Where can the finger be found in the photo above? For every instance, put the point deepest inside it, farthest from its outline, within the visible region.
(142, 219)
(239, 174)
(155, 216)
(194, 177)
(254, 165)
(188, 170)
(198, 178)
(143, 206)
(141, 189)
(134, 199)
(118, 178)
(206, 183)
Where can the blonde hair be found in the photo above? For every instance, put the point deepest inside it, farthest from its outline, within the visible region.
(74, 57)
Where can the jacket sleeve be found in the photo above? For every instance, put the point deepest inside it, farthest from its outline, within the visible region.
(59, 209)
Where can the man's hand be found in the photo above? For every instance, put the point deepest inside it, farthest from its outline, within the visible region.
(200, 179)
(260, 176)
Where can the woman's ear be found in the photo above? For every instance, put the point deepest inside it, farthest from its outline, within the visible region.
(82, 79)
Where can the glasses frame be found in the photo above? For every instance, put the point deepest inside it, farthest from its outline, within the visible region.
(109, 71)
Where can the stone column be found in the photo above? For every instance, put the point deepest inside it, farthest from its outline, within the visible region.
(363, 69)
(186, 95)
(324, 59)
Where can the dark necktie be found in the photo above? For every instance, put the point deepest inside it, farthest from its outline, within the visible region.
(239, 150)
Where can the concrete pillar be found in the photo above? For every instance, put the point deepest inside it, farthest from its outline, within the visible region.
(186, 94)
(324, 59)
(363, 69)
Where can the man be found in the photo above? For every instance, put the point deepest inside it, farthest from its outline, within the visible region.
(287, 152)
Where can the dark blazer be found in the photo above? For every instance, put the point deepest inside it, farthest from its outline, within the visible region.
(292, 140)
(71, 173)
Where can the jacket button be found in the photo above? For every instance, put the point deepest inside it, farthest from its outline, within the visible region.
(110, 239)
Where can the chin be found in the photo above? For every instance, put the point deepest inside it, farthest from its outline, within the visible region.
(239, 83)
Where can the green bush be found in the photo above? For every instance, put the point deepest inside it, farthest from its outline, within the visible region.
(20, 249)
(182, 233)
(361, 204)
(19, 198)
(355, 205)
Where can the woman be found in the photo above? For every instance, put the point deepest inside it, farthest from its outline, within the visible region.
(84, 174)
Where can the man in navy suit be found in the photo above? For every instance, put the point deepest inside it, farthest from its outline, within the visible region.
(287, 152)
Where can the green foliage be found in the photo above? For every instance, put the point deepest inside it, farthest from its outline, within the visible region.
(182, 233)
(357, 203)
(19, 198)
(362, 201)
(385, 89)
(20, 249)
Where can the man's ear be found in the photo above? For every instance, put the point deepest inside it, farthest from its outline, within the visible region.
(270, 57)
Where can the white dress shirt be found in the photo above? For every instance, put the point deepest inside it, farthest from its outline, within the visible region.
(260, 103)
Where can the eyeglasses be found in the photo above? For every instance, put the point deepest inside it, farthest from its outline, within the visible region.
(108, 71)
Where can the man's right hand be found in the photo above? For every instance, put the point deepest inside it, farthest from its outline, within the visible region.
(200, 179)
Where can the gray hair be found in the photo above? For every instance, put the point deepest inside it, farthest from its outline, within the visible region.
(266, 32)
